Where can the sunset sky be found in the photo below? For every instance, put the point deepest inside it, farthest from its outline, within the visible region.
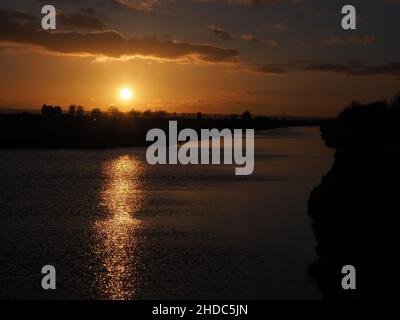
(272, 57)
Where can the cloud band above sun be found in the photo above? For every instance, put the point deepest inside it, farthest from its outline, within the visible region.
(150, 5)
(18, 28)
(109, 44)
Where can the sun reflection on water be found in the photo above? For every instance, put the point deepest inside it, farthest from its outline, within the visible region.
(116, 235)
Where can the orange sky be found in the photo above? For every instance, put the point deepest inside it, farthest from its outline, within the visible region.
(213, 66)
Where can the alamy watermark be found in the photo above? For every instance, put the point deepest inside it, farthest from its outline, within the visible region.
(349, 280)
(49, 21)
(349, 21)
(203, 148)
(49, 278)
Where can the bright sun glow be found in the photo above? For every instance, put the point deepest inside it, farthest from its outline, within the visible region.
(126, 94)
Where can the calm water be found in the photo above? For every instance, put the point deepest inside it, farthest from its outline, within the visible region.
(116, 228)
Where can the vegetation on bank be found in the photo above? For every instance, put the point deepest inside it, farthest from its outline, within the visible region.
(354, 210)
(372, 125)
(77, 128)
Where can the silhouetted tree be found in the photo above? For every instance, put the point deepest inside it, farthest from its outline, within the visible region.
(357, 199)
(96, 113)
(148, 114)
(49, 110)
(114, 111)
(72, 110)
(246, 115)
(57, 111)
(134, 113)
(395, 102)
(80, 111)
(161, 114)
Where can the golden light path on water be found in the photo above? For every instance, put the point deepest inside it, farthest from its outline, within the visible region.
(116, 245)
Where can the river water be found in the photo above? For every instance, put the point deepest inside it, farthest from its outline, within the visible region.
(116, 228)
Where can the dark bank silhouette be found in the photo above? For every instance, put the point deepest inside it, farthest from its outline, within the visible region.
(51, 111)
(355, 209)
(96, 129)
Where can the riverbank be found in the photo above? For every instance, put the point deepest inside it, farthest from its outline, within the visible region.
(110, 131)
(354, 210)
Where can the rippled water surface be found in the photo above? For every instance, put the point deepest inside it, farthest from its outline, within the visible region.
(117, 228)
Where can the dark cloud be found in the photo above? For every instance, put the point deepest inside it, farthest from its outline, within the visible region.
(242, 2)
(350, 68)
(16, 16)
(356, 68)
(221, 33)
(85, 19)
(280, 28)
(334, 41)
(77, 2)
(139, 5)
(364, 40)
(150, 5)
(253, 39)
(270, 68)
(109, 44)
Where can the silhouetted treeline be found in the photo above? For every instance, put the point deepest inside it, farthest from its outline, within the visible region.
(78, 128)
(355, 208)
(51, 111)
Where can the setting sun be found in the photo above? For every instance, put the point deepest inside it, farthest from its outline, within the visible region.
(126, 94)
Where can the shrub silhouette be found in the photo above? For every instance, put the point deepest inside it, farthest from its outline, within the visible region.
(48, 110)
(80, 111)
(72, 110)
(354, 209)
(246, 115)
(97, 129)
(96, 113)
